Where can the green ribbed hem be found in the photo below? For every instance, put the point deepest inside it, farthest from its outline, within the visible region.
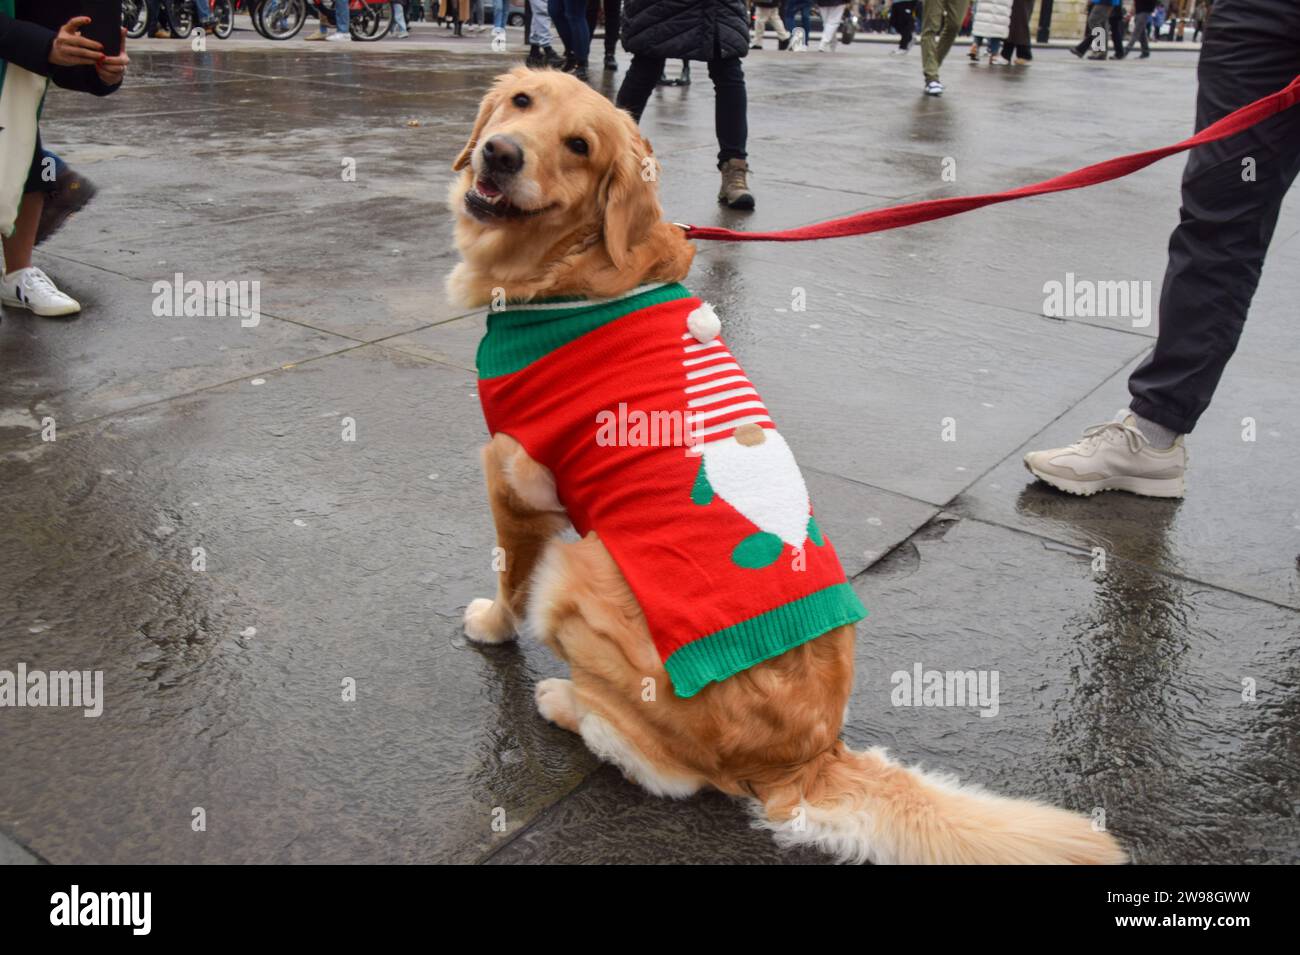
(520, 336)
(741, 646)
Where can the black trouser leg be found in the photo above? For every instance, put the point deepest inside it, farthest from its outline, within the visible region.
(641, 79)
(901, 18)
(613, 23)
(1216, 253)
(730, 108)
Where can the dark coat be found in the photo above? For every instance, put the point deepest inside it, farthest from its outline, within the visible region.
(28, 45)
(686, 29)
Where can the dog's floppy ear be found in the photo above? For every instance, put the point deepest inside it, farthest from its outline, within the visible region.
(630, 196)
(485, 109)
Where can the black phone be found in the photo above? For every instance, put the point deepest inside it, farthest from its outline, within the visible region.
(105, 24)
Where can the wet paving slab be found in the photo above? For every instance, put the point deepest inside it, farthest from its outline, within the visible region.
(325, 560)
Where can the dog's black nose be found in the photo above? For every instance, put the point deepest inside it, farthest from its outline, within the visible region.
(501, 154)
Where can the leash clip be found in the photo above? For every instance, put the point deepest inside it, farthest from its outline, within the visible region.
(684, 227)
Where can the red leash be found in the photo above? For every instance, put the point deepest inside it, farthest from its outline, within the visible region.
(893, 217)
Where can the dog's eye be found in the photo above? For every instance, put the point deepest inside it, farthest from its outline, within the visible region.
(578, 145)
(523, 100)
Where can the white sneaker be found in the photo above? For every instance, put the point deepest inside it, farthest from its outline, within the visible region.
(337, 35)
(934, 88)
(903, 52)
(32, 289)
(1114, 456)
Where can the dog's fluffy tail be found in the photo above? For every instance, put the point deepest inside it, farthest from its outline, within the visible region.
(864, 807)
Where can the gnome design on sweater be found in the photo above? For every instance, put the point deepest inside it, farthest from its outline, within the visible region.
(712, 537)
(744, 459)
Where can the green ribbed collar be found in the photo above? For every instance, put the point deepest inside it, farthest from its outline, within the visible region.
(523, 332)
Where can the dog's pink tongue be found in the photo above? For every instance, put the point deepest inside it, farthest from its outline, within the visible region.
(487, 187)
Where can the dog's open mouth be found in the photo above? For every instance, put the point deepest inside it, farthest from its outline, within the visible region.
(485, 200)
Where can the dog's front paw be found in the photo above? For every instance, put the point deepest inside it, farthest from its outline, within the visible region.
(557, 704)
(485, 624)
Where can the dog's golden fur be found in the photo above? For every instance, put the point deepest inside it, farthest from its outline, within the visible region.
(769, 733)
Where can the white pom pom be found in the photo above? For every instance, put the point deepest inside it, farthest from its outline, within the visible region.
(704, 323)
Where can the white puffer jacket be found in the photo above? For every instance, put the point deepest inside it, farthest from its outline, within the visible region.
(992, 19)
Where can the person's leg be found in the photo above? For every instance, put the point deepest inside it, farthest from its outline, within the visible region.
(1216, 253)
(954, 12)
(555, 9)
(613, 23)
(1117, 31)
(931, 25)
(731, 108)
(578, 26)
(593, 15)
(641, 79)
(906, 25)
(1094, 12)
(399, 17)
(341, 16)
(204, 11)
(832, 14)
(18, 247)
(500, 14)
(1145, 29)
(995, 46)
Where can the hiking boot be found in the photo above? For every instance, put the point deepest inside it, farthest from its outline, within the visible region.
(535, 59)
(735, 192)
(553, 59)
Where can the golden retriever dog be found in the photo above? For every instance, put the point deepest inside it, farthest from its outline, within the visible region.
(557, 197)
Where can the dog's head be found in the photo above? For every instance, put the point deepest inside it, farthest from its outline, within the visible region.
(554, 172)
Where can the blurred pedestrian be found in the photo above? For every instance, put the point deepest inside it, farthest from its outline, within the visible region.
(37, 192)
(798, 17)
(570, 19)
(715, 31)
(990, 25)
(1142, 10)
(832, 16)
(902, 17)
(1018, 47)
(341, 24)
(1094, 34)
(1117, 27)
(941, 19)
(768, 13)
(537, 24)
(613, 10)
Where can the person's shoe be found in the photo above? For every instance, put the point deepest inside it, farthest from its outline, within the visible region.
(1021, 61)
(162, 34)
(1143, 56)
(974, 54)
(735, 192)
(402, 35)
(933, 88)
(685, 78)
(1096, 56)
(317, 36)
(580, 70)
(338, 35)
(459, 31)
(30, 288)
(72, 194)
(611, 64)
(570, 64)
(900, 51)
(535, 59)
(553, 59)
(1114, 456)
(783, 44)
(1077, 52)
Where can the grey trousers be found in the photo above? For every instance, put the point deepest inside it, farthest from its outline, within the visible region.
(1232, 192)
(1139, 32)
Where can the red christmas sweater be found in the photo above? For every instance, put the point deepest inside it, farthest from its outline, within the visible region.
(637, 420)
